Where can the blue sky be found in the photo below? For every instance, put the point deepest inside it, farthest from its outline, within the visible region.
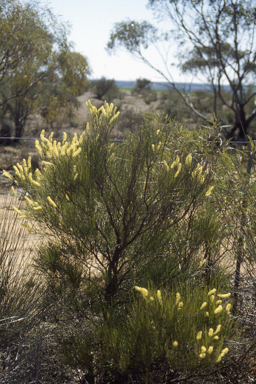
(92, 22)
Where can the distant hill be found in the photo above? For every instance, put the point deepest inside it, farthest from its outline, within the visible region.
(162, 86)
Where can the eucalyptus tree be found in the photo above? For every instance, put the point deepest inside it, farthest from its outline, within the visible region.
(35, 51)
(216, 39)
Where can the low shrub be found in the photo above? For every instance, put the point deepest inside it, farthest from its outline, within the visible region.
(106, 89)
(162, 332)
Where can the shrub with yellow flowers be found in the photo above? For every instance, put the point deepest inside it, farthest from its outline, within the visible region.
(118, 213)
(163, 332)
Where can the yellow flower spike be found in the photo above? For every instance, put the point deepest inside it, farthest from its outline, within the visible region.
(202, 263)
(22, 217)
(218, 302)
(175, 344)
(36, 183)
(50, 137)
(159, 296)
(47, 163)
(151, 298)
(37, 208)
(27, 227)
(77, 152)
(30, 177)
(177, 298)
(212, 292)
(143, 291)
(75, 139)
(180, 305)
(199, 335)
(44, 145)
(188, 160)
(209, 191)
(210, 350)
(17, 210)
(199, 169)
(202, 355)
(13, 190)
(218, 309)
(7, 174)
(224, 295)
(20, 167)
(178, 170)
(158, 131)
(38, 147)
(71, 148)
(25, 167)
(81, 138)
(159, 146)
(64, 138)
(63, 149)
(212, 298)
(216, 338)
(228, 307)
(174, 164)
(87, 127)
(203, 305)
(114, 118)
(203, 349)
(153, 147)
(29, 201)
(42, 135)
(166, 165)
(207, 314)
(38, 174)
(76, 176)
(50, 152)
(51, 202)
(55, 149)
(29, 162)
(217, 329)
(210, 333)
(224, 352)
(218, 359)
(67, 197)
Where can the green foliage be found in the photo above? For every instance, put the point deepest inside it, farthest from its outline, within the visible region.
(129, 121)
(106, 89)
(149, 96)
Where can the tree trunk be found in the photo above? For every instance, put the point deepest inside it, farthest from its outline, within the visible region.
(241, 125)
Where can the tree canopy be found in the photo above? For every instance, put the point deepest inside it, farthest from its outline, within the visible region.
(35, 51)
(216, 39)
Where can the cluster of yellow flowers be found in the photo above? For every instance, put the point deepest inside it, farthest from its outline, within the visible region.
(49, 149)
(208, 335)
(196, 174)
(104, 116)
(211, 335)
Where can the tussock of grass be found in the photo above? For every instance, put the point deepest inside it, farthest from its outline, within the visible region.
(19, 286)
